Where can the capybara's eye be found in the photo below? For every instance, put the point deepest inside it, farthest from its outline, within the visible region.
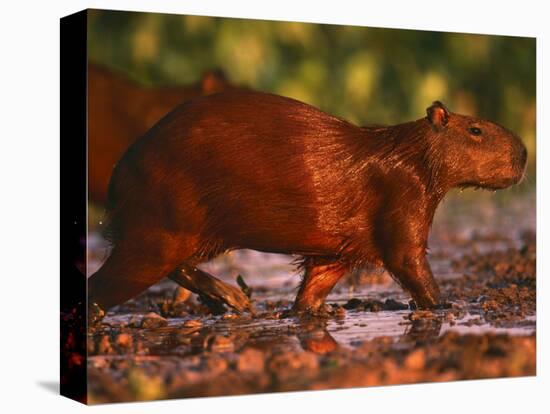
(474, 131)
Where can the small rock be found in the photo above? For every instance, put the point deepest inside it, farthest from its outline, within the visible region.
(192, 323)
(353, 303)
(449, 317)
(373, 305)
(180, 295)
(214, 365)
(501, 268)
(251, 360)
(490, 305)
(420, 314)
(104, 346)
(416, 359)
(220, 343)
(124, 340)
(153, 320)
(393, 305)
(289, 364)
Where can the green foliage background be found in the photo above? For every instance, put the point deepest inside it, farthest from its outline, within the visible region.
(366, 75)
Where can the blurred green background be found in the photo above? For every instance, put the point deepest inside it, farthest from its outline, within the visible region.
(365, 75)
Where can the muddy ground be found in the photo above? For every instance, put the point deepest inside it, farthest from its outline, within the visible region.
(166, 344)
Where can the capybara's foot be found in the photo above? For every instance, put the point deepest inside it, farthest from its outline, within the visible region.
(428, 298)
(313, 308)
(213, 292)
(232, 297)
(423, 305)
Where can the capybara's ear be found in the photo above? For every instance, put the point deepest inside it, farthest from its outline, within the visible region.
(213, 81)
(438, 114)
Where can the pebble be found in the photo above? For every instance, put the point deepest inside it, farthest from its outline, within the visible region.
(153, 320)
(352, 304)
(449, 317)
(289, 364)
(104, 346)
(180, 295)
(420, 314)
(124, 340)
(214, 365)
(251, 360)
(220, 343)
(416, 359)
(192, 323)
(391, 304)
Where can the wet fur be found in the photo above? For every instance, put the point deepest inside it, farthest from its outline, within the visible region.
(259, 171)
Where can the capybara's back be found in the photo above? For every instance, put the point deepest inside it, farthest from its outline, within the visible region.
(252, 170)
(240, 170)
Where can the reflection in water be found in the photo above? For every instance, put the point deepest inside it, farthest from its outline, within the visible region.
(317, 335)
(314, 337)
(424, 329)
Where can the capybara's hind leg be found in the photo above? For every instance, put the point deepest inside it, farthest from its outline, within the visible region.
(129, 270)
(318, 281)
(210, 289)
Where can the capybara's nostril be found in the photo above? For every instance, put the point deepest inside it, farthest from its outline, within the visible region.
(521, 160)
(520, 164)
(523, 156)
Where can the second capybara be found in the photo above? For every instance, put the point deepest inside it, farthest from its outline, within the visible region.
(253, 170)
(121, 110)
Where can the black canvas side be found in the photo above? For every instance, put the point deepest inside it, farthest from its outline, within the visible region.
(73, 64)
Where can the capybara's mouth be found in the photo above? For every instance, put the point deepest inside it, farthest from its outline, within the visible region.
(501, 185)
(492, 186)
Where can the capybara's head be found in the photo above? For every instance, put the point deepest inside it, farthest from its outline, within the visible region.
(475, 152)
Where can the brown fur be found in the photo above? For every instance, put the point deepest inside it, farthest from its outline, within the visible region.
(259, 171)
(120, 111)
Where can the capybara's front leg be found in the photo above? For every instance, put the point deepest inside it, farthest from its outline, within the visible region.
(414, 274)
(318, 281)
(212, 289)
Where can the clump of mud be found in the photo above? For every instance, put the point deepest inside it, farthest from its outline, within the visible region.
(500, 285)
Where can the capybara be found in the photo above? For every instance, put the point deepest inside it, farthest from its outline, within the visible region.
(244, 169)
(120, 111)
